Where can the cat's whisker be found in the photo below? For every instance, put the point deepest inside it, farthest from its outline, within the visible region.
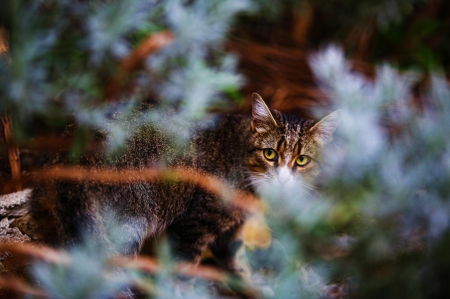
(314, 192)
(308, 195)
(308, 191)
(311, 195)
(312, 188)
(255, 179)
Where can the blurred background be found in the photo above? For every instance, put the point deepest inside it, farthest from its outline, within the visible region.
(380, 226)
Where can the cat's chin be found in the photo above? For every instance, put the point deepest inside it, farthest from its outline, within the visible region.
(275, 189)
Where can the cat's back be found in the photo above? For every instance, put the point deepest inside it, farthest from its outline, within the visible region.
(217, 146)
(221, 147)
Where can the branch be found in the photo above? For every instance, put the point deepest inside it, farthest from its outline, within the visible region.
(145, 264)
(238, 198)
(134, 61)
(13, 152)
(18, 286)
(39, 252)
(3, 40)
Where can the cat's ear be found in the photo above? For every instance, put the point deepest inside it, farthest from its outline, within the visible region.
(324, 129)
(262, 118)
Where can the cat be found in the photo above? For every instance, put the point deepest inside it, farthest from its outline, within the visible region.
(247, 152)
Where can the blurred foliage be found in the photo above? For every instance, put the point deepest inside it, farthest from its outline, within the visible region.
(380, 224)
(63, 53)
(408, 33)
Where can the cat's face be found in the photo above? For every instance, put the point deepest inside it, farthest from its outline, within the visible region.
(285, 150)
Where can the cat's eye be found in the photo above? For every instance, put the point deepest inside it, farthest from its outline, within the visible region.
(270, 154)
(302, 160)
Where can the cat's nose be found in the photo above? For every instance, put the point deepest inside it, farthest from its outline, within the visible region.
(284, 175)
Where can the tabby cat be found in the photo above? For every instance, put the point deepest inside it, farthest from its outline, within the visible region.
(244, 151)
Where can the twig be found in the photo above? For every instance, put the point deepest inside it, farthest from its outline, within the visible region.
(16, 285)
(134, 61)
(303, 20)
(3, 40)
(13, 152)
(152, 265)
(145, 264)
(39, 252)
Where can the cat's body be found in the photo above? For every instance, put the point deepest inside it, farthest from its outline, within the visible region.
(243, 151)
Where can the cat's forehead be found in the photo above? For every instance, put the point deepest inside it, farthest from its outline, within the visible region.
(294, 131)
(291, 134)
(294, 127)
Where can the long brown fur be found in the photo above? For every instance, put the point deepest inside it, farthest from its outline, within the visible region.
(118, 218)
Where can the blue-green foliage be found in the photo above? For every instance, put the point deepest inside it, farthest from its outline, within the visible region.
(63, 53)
(88, 276)
(384, 201)
(383, 210)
